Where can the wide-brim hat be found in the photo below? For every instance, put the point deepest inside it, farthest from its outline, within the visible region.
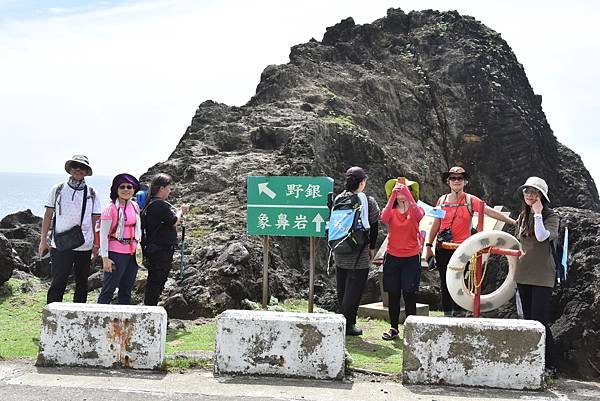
(413, 187)
(120, 179)
(455, 170)
(537, 183)
(78, 159)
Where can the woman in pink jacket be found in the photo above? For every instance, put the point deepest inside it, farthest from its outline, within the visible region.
(120, 232)
(402, 260)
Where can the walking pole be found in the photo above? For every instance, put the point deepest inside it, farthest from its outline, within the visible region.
(181, 252)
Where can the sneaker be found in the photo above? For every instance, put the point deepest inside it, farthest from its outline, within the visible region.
(352, 330)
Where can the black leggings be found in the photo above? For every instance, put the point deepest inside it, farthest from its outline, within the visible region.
(410, 306)
(535, 301)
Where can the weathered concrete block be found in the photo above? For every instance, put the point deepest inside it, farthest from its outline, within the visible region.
(502, 353)
(103, 335)
(279, 343)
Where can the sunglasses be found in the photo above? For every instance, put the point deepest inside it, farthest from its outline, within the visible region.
(126, 186)
(531, 191)
(78, 166)
(456, 178)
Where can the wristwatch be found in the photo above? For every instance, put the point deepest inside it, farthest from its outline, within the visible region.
(428, 245)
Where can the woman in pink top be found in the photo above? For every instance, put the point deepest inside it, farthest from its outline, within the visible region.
(402, 261)
(120, 232)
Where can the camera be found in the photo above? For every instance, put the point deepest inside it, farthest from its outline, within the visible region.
(445, 235)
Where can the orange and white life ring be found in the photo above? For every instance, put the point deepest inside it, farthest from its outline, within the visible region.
(455, 277)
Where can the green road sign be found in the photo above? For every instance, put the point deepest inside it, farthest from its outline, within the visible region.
(288, 206)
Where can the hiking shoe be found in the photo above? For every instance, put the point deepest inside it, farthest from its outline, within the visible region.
(390, 335)
(352, 330)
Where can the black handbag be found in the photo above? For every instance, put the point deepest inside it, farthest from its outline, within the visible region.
(73, 237)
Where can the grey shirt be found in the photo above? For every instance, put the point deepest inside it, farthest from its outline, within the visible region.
(352, 260)
(536, 266)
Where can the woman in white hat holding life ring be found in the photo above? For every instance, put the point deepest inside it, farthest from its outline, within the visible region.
(535, 273)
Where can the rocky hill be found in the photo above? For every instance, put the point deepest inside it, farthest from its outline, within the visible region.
(409, 94)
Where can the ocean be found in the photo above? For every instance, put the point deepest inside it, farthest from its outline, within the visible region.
(30, 191)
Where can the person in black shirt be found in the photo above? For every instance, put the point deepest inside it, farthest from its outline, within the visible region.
(159, 221)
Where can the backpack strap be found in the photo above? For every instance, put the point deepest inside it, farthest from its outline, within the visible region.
(469, 203)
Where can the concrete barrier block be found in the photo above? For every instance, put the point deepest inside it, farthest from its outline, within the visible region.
(501, 353)
(96, 335)
(279, 343)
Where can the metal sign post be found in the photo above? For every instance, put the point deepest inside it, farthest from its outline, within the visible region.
(311, 275)
(288, 206)
(265, 287)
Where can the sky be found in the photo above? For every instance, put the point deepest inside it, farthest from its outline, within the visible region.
(119, 81)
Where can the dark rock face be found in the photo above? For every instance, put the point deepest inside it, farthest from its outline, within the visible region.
(22, 229)
(576, 302)
(9, 260)
(410, 94)
(21, 233)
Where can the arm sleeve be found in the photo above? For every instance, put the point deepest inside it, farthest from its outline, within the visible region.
(551, 225)
(51, 200)
(386, 214)
(540, 231)
(104, 231)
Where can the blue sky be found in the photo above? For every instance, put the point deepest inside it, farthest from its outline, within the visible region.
(80, 76)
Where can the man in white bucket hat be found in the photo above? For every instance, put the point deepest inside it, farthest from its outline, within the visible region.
(72, 209)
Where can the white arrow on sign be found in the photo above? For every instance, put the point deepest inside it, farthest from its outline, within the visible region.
(318, 220)
(263, 189)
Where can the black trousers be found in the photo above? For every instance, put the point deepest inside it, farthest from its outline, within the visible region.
(535, 301)
(159, 264)
(450, 308)
(350, 285)
(62, 263)
(410, 306)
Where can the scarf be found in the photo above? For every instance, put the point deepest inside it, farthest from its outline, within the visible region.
(120, 230)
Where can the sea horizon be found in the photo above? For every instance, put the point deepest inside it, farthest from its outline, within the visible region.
(30, 190)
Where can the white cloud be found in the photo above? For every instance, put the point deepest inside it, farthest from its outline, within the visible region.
(133, 74)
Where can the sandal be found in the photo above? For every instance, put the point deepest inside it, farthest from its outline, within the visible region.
(390, 335)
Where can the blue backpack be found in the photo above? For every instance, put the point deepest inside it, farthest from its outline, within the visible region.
(141, 197)
(346, 233)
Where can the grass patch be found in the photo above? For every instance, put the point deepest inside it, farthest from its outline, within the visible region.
(342, 121)
(192, 338)
(328, 92)
(198, 232)
(20, 316)
(173, 364)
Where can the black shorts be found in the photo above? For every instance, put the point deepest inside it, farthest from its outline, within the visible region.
(401, 273)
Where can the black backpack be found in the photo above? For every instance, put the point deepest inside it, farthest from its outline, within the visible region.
(143, 217)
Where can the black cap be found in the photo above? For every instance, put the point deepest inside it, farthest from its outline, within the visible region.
(357, 173)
